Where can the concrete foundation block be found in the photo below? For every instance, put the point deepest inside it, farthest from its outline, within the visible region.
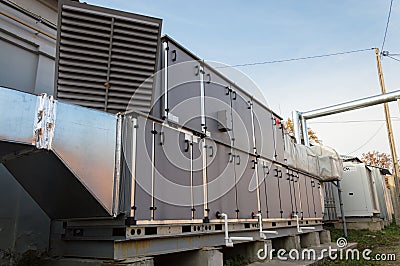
(310, 240)
(248, 251)
(372, 224)
(144, 261)
(287, 242)
(208, 256)
(325, 237)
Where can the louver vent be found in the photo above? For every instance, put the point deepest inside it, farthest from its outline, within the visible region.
(104, 57)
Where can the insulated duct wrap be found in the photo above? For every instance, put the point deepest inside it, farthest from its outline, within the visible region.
(329, 163)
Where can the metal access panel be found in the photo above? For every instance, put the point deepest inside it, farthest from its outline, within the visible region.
(286, 192)
(358, 201)
(264, 132)
(313, 197)
(330, 212)
(247, 180)
(279, 140)
(221, 185)
(181, 72)
(294, 182)
(273, 194)
(199, 188)
(218, 96)
(106, 58)
(304, 188)
(318, 200)
(242, 125)
(263, 169)
(172, 177)
(143, 189)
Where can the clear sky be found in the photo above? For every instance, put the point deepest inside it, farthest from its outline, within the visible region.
(238, 32)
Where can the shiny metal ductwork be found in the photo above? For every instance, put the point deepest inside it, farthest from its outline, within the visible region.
(105, 56)
(62, 154)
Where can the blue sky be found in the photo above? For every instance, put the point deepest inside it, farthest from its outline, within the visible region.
(237, 32)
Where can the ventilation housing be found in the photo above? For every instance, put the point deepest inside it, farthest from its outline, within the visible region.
(106, 58)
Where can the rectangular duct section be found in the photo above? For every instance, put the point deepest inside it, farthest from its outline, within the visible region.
(106, 58)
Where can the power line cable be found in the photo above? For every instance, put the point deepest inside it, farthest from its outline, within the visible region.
(387, 25)
(298, 58)
(373, 136)
(393, 58)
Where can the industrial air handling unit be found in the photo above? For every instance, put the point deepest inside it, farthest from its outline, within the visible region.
(145, 149)
(366, 199)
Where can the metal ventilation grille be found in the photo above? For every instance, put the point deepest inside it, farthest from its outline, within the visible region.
(104, 57)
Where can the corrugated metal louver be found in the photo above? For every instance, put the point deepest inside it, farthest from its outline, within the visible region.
(104, 57)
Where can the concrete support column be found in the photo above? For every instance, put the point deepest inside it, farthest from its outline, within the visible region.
(325, 236)
(247, 250)
(309, 240)
(287, 243)
(143, 261)
(207, 256)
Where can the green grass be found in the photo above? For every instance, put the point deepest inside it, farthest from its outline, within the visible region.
(385, 241)
(235, 261)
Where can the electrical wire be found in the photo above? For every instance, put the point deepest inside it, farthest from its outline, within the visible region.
(298, 58)
(373, 136)
(393, 58)
(387, 24)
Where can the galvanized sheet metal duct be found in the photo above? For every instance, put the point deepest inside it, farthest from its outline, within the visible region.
(104, 57)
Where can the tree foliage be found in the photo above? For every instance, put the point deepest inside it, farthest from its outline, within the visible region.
(379, 159)
(312, 136)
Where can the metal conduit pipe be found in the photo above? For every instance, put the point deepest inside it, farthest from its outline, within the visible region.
(229, 239)
(28, 25)
(352, 105)
(30, 14)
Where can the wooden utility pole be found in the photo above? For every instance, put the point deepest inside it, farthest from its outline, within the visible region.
(391, 139)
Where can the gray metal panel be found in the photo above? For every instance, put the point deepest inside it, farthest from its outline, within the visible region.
(220, 180)
(17, 116)
(105, 58)
(312, 196)
(381, 192)
(183, 87)
(263, 131)
(279, 139)
(218, 98)
(294, 193)
(246, 184)
(27, 58)
(330, 212)
(294, 181)
(198, 185)
(263, 168)
(172, 184)
(286, 194)
(317, 200)
(143, 186)
(304, 191)
(273, 193)
(242, 127)
(78, 127)
(127, 165)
